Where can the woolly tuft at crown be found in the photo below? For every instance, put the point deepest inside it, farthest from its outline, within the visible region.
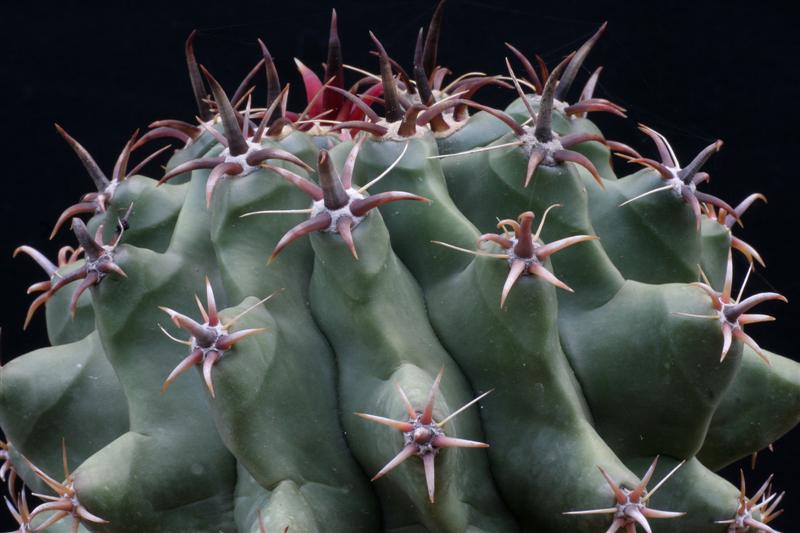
(396, 308)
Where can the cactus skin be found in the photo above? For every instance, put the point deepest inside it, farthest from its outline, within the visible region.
(595, 360)
(376, 286)
(731, 434)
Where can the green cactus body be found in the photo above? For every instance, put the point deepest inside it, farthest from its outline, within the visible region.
(194, 489)
(355, 374)
(156, 212)
(272, 510)
(685, 367)
(662, 229)
(280, 428)
(586, 269)
(480, 129)
(716, 242)
(705, 497)
(297, 346)
(344, 292)
(197, 147)
(338, 494)
(518, 345)
(60, 392)
(758, 407)
(415, 225)
(63, 326)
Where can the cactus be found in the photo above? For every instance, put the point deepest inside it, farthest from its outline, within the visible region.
(395, 270)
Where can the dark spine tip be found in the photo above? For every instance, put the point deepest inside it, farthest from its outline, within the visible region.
(544, 72)
(269, 118)
(433, 115)
(392, 100)
(530, 72)
(121, 166)
(361, 125)
(334, 66)
(358, 102)
(37, 256)
(196, 79)
(273, 80)
(700, 159)
(236, 142)
(244, 89)
(440, 106)
(408, 126)
(420, 76)
(588, 89)
(431, 47)
(577, 62)
(401, 73)
(733, 312)
(333, 193)
(100, 180)
(743, 206)
(544, 120)
(91, 249)
(524, 246)
(520, 92)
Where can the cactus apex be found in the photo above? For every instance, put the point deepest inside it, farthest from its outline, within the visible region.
(400, 313)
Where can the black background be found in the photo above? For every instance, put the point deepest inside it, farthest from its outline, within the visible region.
(694, 71)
